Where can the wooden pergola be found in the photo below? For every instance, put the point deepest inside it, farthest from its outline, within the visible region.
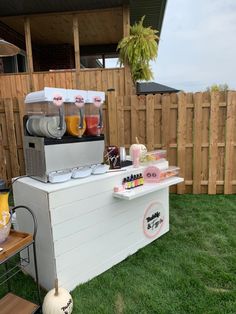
(91, 27)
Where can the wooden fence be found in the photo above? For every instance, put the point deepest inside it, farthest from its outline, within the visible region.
(198, 130)
(18, 85)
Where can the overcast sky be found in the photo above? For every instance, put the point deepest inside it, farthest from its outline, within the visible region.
(198, 44)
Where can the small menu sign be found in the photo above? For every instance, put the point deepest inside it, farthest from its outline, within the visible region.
(112, 157)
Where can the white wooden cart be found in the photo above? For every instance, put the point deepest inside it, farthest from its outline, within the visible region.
(85, 229)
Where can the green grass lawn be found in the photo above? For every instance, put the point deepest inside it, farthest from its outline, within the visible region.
(191, 269)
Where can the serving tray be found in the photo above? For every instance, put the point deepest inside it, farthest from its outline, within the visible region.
(15, 242)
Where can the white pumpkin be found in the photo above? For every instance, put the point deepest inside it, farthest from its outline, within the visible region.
(57, 301)
(143, 149)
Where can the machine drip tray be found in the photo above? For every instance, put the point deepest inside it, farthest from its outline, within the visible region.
(71, 139)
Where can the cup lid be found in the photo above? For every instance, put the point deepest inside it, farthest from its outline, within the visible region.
(4, 190)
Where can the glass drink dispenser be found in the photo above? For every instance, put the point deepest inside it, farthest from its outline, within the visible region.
(45, 115)
(93, 113)
(75, 112)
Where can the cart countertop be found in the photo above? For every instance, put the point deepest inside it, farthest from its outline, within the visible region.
(52, 187)
(119, 173)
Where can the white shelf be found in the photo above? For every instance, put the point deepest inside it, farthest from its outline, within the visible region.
(147, 188)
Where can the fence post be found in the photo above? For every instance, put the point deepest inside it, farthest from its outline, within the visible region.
(3, 174)
(165, 124)
(181, 138)
(120, 120)
(213, 137)
(21, 107)
(197, 143)
(229, 137)
(15, 168)
(134, 118)
(112, 118)
(150, 122)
